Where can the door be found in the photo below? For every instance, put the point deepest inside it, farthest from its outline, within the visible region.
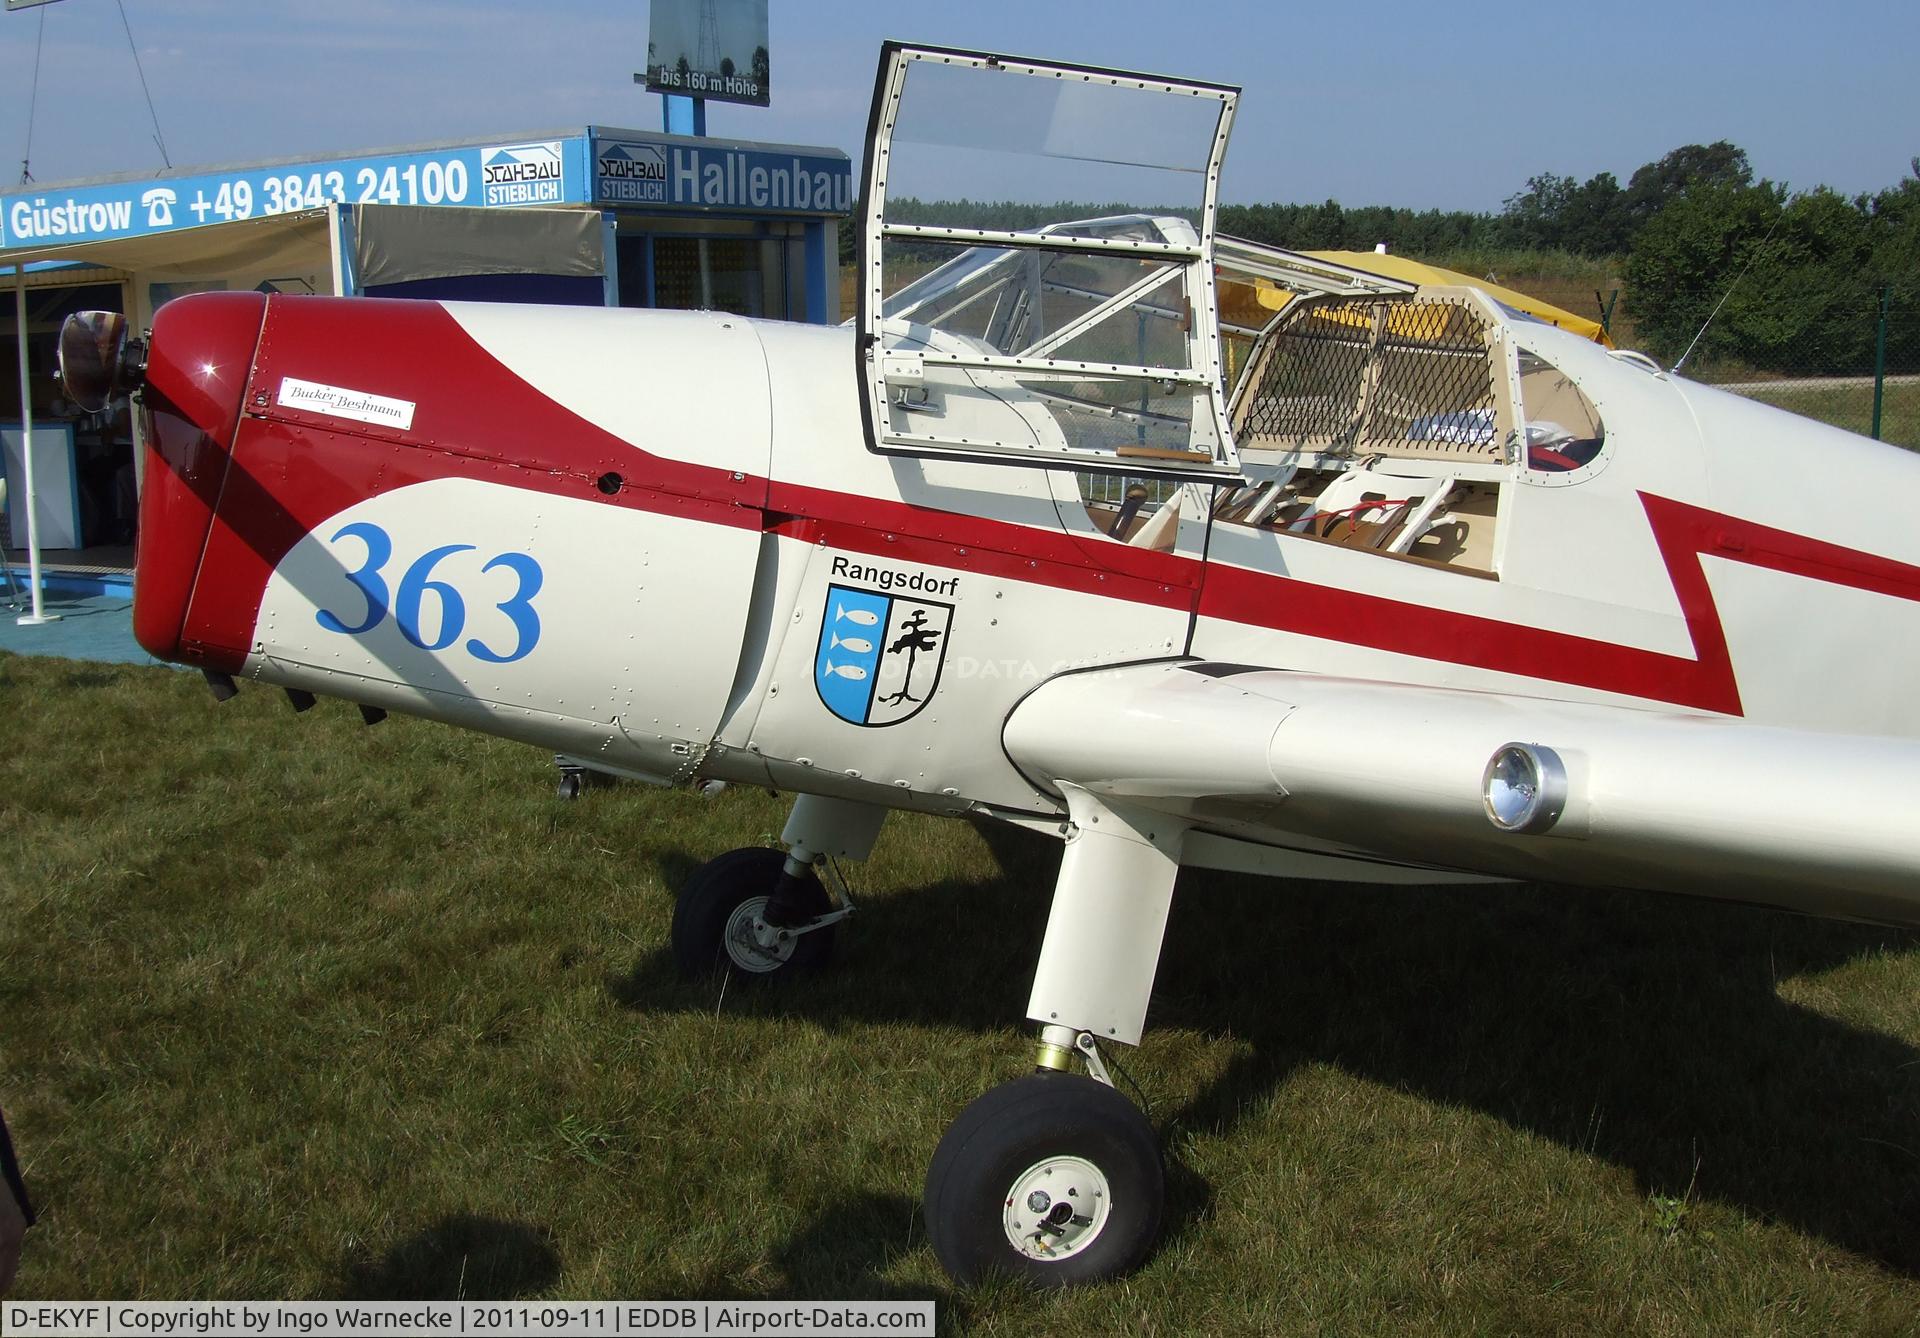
(1031, 330)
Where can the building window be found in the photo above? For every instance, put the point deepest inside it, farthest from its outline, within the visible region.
(743, 275)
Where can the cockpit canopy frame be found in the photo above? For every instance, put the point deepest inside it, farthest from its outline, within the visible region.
(1041, 335)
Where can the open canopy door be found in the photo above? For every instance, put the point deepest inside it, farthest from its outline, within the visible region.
(1033, 329)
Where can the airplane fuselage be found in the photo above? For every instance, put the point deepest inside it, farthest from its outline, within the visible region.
(655, 542)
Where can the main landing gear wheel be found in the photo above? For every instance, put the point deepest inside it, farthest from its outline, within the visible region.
(720, 919)
(1054, 1178)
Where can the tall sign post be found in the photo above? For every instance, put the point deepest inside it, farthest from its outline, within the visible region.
(705, 49)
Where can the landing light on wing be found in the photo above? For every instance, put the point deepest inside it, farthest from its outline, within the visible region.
(1525, 786)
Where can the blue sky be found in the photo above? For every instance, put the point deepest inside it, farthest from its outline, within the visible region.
(1393, 102)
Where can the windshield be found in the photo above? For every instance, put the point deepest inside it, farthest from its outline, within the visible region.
(1017, 301)
(994, 136)
(1006, 319)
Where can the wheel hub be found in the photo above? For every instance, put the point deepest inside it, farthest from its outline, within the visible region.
(752, 944)
(1056, 1208)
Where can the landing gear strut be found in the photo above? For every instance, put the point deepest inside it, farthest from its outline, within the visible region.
(748, 912)
(1056, 1177)
(576, 776)
(760, 913)
(1053, 1177)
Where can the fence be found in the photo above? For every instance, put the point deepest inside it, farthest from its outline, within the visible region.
(1871, 385)
(1859, 369)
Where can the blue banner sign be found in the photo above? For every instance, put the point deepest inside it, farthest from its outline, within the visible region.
(544, 172)
(611, 167)
(632, 169)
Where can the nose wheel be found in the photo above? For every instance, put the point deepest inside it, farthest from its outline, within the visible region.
(1054, 1177)
(747, 912)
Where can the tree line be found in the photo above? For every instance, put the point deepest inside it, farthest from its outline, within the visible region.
(1797, 275)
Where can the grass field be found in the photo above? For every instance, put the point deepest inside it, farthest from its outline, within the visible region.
(294, 1008)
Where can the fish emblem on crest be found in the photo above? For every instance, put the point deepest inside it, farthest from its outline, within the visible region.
(879, 657)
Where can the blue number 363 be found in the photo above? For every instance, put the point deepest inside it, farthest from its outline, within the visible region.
(404, 603)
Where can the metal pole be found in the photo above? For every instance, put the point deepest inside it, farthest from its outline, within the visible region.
(681, 115)
(39, 615)
(340, 248)
(1880, 357)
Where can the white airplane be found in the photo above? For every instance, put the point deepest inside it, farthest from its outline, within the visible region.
(1194, 553)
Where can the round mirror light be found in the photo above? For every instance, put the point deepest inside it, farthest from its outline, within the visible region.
(1525, 788)
(98, 362)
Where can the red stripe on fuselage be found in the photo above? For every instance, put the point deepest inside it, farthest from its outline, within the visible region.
(287, 481)
(1052, 558)
(1234, 594)
(1683, 534)
(292, 470)
(290, 476)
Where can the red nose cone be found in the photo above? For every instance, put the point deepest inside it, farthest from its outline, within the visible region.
(197, 370)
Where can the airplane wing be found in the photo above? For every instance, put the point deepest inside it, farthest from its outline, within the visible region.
(1502, 785)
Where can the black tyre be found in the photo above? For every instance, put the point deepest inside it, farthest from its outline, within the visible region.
(1054, 1177)
(571, 783)
(713, 919)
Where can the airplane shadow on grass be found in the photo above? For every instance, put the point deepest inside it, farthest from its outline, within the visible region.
(462, 1257)
(1641, 1029)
